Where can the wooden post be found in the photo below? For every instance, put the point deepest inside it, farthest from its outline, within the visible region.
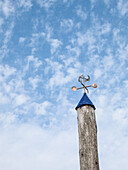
(87, 130)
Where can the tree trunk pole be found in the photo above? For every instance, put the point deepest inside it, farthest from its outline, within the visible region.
(87, 130)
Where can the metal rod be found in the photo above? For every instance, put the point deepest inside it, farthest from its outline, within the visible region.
(80, 88)
(89, 86)
(84, 84)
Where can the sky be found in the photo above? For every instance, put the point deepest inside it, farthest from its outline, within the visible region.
(45, 45)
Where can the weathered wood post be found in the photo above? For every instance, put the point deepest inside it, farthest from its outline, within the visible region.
(87, 130)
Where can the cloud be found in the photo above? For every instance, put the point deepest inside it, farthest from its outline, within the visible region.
(59, 73)
(1, 23)
(46, 3)
(45, 37)
(107, 2)
(67, 24)
(29, 147)
(25, 4)
(85, 38)
(35, 81)
(120, 116)
(35, 61)
(112, 122)
(22, 39)
(49, 31)
(106, 28)
(55, 44)
(20, 99)
(6, 71)
(7, 8)
(7, 119)
(8, 34)
(73, 51)
(68, 2)
(122, 7)
(65, 1)
(93, 2)
(113, 143)
(123, 51)
(126, 83)
(35, 38)
(41, 108)
(81, 13)
(4, 98)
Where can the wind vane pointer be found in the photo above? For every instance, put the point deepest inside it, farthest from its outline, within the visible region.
(82, 80)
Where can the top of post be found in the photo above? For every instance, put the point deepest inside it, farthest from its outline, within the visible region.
(84, 100)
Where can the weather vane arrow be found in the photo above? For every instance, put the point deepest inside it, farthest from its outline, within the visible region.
(82, 80)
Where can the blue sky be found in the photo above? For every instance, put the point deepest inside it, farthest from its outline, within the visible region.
(45, 45)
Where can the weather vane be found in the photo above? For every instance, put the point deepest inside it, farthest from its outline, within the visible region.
(82, 80)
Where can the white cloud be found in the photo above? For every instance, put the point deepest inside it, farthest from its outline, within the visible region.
(7, 119)
(123, 51)
(4, 98)
(122, 6)
(7, 7)
(125, 83)
(35, 38)
(49, 31)
(108, 62)
(46, 3)
(59, 72)
(102, 100)
(88, 38)
(81, 13)
(67, 24)
(68, 2)
(60, 79)
(98, 73)
(34, 81)
(73, 51)
(20, 99)
(107, 2)
(26, 4)
(106, 28)
(41, 108)
(16, 85)
(1, 23)
(93, 2)
(120, 116)
(28, 147)
(55, 44)
(6, 71)
(55, 80)
(22, 39)
(35, 61)
(111, 143)
(8, 34)
(112, 122)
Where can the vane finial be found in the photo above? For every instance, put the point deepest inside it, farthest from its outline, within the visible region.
(82, 80)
